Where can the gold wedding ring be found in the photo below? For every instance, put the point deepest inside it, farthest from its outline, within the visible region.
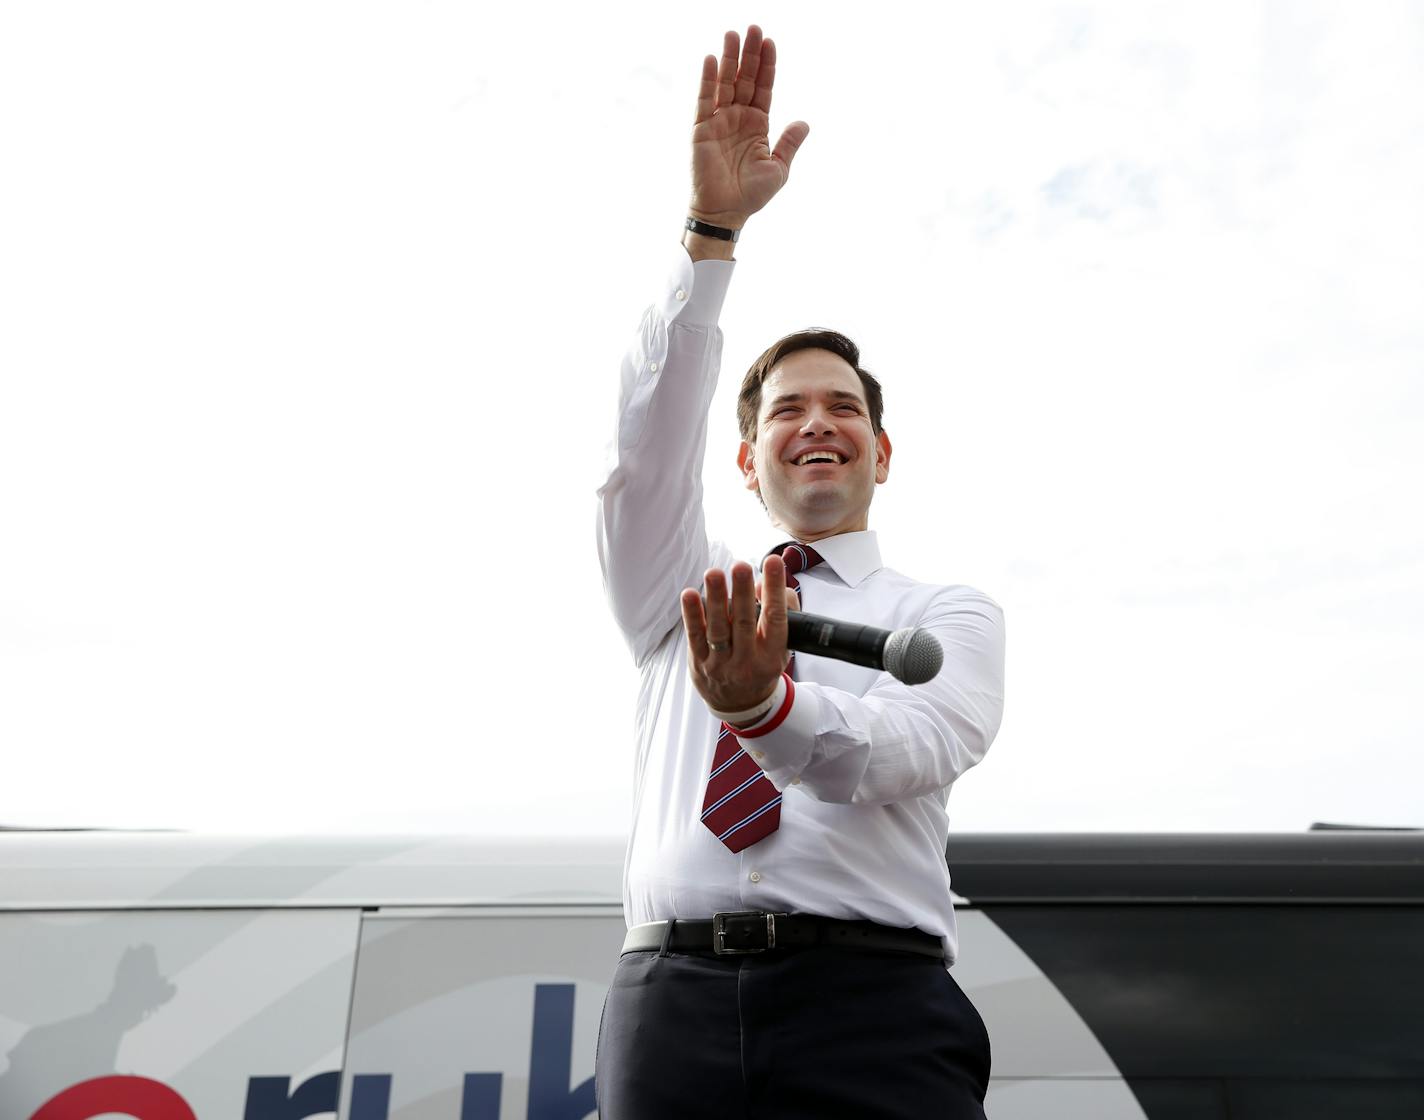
(718, 646)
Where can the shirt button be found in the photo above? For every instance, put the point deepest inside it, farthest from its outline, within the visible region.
(681, 294)
(755, 876)
(758, 755)
(795, 781)
(653, 366)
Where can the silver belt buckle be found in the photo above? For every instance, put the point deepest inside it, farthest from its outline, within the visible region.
(719, 932)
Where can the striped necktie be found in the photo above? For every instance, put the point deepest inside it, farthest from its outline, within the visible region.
(741, 805)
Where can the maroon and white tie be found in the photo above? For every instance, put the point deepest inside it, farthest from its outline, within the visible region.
(741, 805)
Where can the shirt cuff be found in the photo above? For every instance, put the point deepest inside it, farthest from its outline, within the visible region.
(782, 742)
(778, 704)
(696, 290)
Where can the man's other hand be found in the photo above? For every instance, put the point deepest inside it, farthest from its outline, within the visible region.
(736, 656)
(734, 171)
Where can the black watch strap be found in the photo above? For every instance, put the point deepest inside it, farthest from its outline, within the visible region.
(712, 231)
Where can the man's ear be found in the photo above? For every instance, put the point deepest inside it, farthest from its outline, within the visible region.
(882, 457)
(747, 463)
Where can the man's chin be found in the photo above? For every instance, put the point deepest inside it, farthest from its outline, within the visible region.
(814, 506)
(823, 491)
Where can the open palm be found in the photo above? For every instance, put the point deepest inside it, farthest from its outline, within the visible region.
(735, 172)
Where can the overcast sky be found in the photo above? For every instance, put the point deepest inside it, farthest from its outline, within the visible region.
(310, 325)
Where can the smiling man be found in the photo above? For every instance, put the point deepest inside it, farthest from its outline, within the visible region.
(811, 436)
(785, 886)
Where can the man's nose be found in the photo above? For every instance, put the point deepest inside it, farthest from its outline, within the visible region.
(818, 422)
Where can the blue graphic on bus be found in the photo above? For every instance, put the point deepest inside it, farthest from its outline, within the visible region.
(550, 1061)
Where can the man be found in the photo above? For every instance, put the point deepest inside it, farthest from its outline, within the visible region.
(785, 882)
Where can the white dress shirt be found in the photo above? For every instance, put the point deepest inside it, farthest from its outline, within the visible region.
(864, 762)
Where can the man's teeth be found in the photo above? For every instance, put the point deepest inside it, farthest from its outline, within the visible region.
(819, 457)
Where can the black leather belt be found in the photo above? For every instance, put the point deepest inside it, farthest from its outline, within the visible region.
(755, 931)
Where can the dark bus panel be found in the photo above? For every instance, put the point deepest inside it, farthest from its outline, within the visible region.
(1230, 977)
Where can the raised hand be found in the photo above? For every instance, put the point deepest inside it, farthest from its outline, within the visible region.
(734, 170)
(735, 652)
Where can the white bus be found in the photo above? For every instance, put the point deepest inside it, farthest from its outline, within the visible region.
(167, 976)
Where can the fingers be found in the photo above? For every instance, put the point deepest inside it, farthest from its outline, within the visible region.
(765, 75)
(715, 625)
(751, 63)
(719, 628)
(791, 141)
(707, 91)
(773, 570)
(749, 84)
(731, 665)
(744, 608)
(727, 72)
(793, 600)
(695, 624)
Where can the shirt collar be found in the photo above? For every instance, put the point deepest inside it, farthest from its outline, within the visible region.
(852, 556)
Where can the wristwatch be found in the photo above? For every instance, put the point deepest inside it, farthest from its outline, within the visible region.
(712, 231)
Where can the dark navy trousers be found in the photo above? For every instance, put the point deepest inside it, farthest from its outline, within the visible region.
(804, 1034)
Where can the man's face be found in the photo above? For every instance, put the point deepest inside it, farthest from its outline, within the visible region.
(816, 460)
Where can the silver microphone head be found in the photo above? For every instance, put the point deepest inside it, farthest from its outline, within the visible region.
(913, 655)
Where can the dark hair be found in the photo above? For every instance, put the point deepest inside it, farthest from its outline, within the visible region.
(749, 399)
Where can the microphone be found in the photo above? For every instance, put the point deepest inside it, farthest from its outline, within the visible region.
(910, 655)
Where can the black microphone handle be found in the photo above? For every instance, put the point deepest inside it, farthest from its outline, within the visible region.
(831, 637)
